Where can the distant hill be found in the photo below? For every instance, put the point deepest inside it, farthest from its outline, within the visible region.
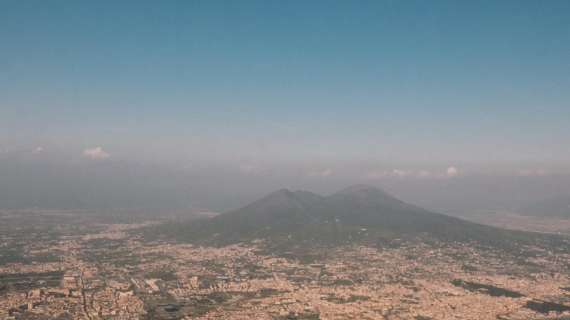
(558, 206)
(356, 214)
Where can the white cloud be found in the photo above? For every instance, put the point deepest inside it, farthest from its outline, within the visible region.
(412, 174)
(375, 175)
(320, 173)
(452, 171)
(398, 173)
(532, 172)
(38, 150)
(402, 173)
(250, 169)
(424, 174)
(96, 153)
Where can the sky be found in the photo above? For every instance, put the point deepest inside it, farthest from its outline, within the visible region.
(393, 88)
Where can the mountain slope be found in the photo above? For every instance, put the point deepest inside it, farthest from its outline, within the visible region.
(374, 208)
(358, 214)
(277, 213)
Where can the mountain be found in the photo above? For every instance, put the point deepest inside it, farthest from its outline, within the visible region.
(558, 206)
(359, 213)
(277, 213)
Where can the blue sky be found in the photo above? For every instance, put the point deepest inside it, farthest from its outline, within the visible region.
(444, 83)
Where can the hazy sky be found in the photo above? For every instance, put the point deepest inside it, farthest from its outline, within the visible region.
(399, 88)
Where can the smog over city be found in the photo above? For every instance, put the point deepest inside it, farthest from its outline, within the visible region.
(285, 160)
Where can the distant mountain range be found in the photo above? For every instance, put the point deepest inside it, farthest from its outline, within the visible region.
(359, 213)
(558, 206)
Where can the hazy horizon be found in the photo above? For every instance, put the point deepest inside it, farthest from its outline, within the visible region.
(239, 99)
